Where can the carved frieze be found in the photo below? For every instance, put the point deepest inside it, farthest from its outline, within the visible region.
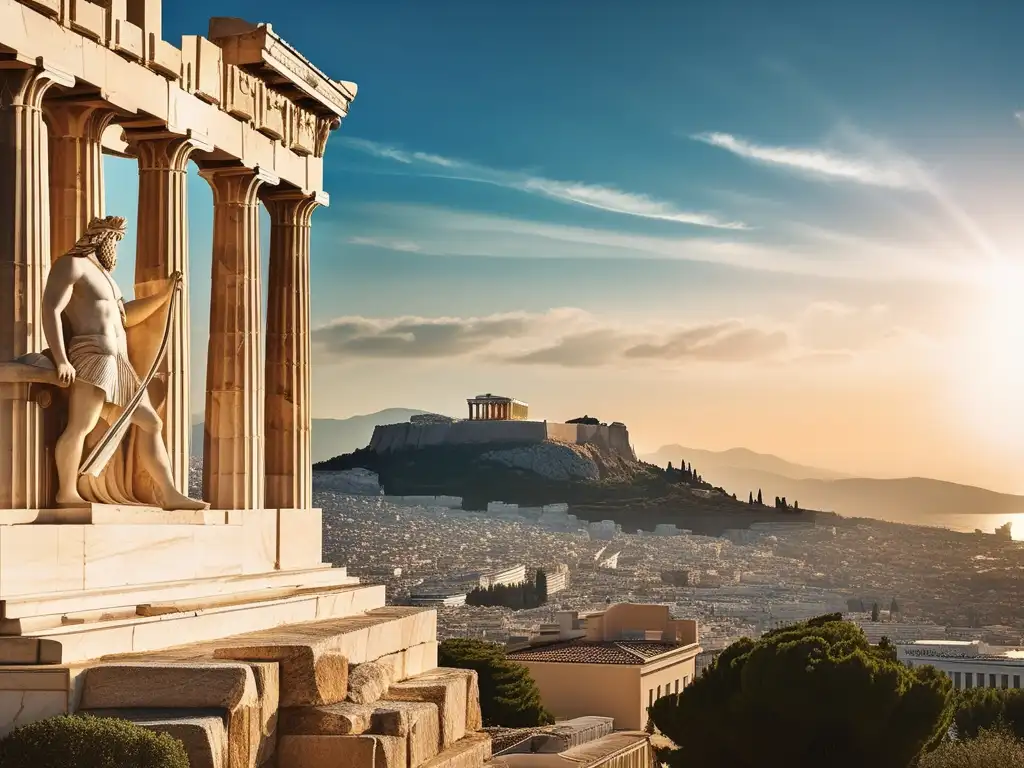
(304, 131)
(240, 92)
(273, 114)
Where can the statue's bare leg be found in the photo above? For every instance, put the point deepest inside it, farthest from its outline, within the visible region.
(84, 409)
(155, 460)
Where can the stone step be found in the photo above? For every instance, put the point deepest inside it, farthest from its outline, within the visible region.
(230, 689)
(416, 722)
(120, 636)
(455, 692)
(364, 751)
(203, 732)
(116, 598)
(309, 654)
(47, 624)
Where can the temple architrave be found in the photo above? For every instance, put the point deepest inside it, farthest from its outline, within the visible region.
(217, 622)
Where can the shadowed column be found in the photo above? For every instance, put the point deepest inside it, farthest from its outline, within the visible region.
(233, 440)
(289, 471)
(76, 169)
(161, 251)
(25, 467)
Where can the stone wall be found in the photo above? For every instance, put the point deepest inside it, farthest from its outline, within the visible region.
(397, 437)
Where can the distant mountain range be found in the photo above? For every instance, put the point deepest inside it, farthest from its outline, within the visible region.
(332, 437)
(911, 499)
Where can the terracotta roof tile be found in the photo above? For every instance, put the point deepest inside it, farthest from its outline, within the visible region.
(589, 652)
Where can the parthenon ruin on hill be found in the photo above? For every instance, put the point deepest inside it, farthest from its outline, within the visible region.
(220, 625)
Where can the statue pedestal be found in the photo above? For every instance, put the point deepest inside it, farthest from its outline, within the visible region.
(113, 580)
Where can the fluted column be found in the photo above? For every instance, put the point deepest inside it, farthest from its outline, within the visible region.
(26, 474)
(289, 468)
(162, 250)
(233, 441)
(76, 170)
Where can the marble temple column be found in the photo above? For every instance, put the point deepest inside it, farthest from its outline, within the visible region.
(76, 169)
(162, 250)
(289, 468)
(26, 473)
(233, 440)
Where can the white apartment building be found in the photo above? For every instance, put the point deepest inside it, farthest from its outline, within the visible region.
(969, 664)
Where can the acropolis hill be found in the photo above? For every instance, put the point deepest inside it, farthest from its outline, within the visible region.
(499, 420)
(499, 454)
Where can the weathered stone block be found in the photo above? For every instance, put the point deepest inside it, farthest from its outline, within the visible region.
(341, 752)
(309, 676)
(447, 689)
(368, 682)
(418, 722)
(225, 686)
(342, 719)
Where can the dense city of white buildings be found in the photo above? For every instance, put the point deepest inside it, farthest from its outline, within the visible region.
(741, 584)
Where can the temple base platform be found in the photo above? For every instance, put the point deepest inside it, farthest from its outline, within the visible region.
(226, 630)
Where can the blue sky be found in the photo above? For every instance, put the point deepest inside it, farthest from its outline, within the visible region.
(785, 226)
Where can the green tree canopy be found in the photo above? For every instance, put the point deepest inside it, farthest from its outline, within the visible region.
(980, 709)
(817, 692)
(508, 694)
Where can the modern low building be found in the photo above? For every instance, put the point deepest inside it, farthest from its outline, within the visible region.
(969, 664)
(628, 656)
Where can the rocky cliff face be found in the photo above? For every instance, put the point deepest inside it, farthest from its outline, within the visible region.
(563, 461)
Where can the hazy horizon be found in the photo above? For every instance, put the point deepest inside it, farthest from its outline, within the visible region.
(791, 230)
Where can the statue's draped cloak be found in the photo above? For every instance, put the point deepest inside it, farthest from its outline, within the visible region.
(123, 480)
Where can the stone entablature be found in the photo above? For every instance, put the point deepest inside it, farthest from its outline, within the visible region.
(276, 114)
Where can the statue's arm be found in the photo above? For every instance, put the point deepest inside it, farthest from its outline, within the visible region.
(60, 284)
(140, 310)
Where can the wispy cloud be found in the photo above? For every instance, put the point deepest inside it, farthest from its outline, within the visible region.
(820, 162)
(431, 230)
(573, 338)
(405, 246)
(603, 197)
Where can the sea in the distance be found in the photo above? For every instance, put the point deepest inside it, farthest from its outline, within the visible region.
(965, 523)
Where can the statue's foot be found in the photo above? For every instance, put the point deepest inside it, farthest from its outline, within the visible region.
(70, 499)
(175, 500)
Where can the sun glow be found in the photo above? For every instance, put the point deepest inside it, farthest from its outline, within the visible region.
(992, 372)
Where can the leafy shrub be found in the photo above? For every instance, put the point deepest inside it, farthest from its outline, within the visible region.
(991, 749)
(74, 741)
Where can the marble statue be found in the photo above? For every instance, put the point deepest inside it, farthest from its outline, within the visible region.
(106, 351)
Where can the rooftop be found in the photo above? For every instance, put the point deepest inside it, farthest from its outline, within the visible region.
(590, 652)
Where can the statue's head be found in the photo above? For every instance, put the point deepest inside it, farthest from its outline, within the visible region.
(101, 237)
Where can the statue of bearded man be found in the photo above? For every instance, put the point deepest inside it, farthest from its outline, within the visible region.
(99, 343)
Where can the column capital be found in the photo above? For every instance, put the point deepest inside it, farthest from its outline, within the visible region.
(291, 207)
(237, 185)
(164, 152)
(26, 87)
(67, 118)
